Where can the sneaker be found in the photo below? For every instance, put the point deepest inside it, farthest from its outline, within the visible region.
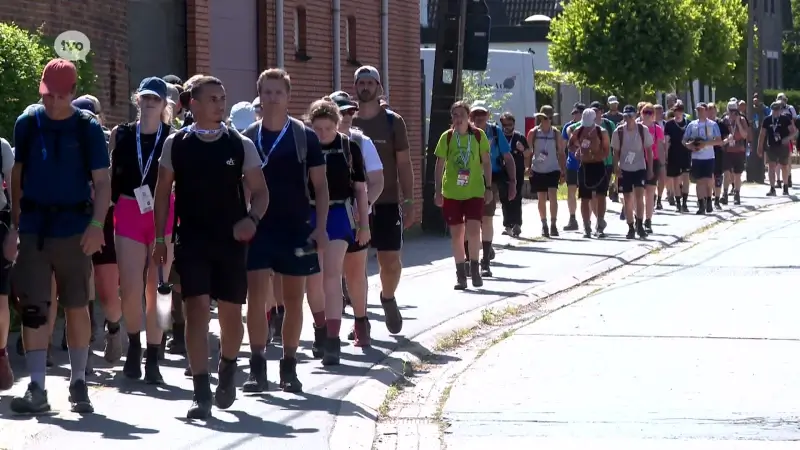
(6, 374)
(225, 394)
(394, 320)
(320, 333)
(506, 231)
(34, 401)
(113, 348)
(79, 398)
(257, 380)
(361, 333)
(288, 376)
(333, 349)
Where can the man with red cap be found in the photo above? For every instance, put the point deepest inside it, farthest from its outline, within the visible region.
(60, 153)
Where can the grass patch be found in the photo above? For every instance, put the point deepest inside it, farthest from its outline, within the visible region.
(492, 316)
(391, 395)
(454, 339)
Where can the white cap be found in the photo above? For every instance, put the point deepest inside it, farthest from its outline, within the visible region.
(480, 105)
(782, 97)
(588, 117)
(733, 105)
(242, 115)
(256, 102)
(612, 99)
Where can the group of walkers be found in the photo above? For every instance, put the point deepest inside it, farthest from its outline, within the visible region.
(257, 207)
(638, 151)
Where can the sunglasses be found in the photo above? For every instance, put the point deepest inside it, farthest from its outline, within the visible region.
(647, 112)
(349, 112)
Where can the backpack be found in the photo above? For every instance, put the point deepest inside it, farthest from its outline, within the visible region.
(300, 143)
(23, 144)
(471, 129)
(641, 135)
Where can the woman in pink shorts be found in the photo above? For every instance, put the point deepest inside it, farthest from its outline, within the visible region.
(136, 148)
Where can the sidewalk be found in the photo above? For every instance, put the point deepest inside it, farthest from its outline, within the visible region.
(639, 365)
(132, 415)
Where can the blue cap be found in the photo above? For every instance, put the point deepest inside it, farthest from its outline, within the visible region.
(153, 86)
(84, 104)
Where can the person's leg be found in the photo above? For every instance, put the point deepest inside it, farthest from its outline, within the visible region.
(541, 203)
(106, 279)
(153, 332)
(505, 206)
(516, 207)
(132, 259)
(259, 287)
(355, 274)
(487, 231)
(315, 294)
(772, 165)
(333, 259)
(177, 342)
(33, 279)
(662, 184)
(572, 205)
(73, 273)
(6, 373)
(552, 193)
(294, 288)
(387, 239)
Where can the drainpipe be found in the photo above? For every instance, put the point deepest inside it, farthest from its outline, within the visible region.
(337, 45)
(385, 47)
(279, 33)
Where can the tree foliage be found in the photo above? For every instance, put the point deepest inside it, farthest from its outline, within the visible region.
(720, 28)
(613, 45)
(478, 88)
(791, 51)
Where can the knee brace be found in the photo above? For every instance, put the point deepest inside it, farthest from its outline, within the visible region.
(34, 316)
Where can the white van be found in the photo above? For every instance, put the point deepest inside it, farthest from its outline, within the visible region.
(508, 72)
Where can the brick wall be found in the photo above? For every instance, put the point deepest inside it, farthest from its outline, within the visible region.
(104, 22)
(197, 37)
(313, 79)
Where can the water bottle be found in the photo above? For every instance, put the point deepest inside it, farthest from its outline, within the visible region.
(163, 302)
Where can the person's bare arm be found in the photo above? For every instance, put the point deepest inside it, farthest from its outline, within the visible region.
(161, 197)
(255, 185)
(440, 173)
(319, 179)
(405, 170)
(486, 163)
(511, 168)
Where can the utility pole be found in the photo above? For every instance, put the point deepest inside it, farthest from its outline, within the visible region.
(755, 165)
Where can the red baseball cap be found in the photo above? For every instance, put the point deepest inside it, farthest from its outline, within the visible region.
(59, 77)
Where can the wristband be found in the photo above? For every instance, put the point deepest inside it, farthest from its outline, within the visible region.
(364, 228)
(96, 223)
(160, 240)
(408, 201)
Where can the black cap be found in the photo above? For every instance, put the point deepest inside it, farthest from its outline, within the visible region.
(173, 79)
(343, 101)
(596, 105)
(579, 106)
(629, 109)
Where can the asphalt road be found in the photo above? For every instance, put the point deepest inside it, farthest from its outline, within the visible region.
(699, 350)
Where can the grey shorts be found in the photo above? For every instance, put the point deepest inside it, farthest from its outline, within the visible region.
(62, 258)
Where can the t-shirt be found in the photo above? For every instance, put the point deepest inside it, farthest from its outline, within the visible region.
(675, 130)
(389, 140)
(519, 156)
(657, 134)
(289, 208)
(614, 116)
(777, 129)
(572, 162)
(463, 173)
(372, 161)
(8, 164)
(724, 131)
(498, 146)
(55, 170)
(707, 130)
(340, 174)
(632, 154)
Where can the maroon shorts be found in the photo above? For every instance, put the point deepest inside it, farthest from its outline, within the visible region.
(457, 211)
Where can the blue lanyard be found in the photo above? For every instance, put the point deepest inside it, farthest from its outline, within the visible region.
(144, 169)
(41, 136)
(265, 157)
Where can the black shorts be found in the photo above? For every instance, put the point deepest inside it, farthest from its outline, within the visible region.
(679, 162)
(592, 180)
(572, 177)
(541, 182)
(628, 180)
(656, 172)
(719, 162)
(107, 254)
(735, 162)
(217, 268)
(355, 247)
(702, 168)
(386, 225)
(778, 155)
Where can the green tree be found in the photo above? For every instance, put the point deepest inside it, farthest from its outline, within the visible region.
(613, 45)
(791, 50)
(720, 28)
(477, 88)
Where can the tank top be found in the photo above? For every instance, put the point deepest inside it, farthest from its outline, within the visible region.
(739, 143)
(545, 153)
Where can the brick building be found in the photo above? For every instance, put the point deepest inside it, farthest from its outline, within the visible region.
(235, 40)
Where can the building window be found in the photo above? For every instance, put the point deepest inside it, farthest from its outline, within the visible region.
(351, 41)
(300, 34)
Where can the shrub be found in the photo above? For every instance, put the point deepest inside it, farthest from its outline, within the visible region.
(771, 94)
(23, 55)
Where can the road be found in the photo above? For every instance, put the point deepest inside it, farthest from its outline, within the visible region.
(133, 415)
(698, 350)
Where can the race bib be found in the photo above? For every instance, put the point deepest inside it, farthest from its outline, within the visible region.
(542, 156)
(630, 157)
(144, 198)
(463, 178)
(586, 143)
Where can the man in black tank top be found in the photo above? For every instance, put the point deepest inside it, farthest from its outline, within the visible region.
(206, 163)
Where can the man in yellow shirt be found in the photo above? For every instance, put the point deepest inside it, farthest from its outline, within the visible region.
(463, 187)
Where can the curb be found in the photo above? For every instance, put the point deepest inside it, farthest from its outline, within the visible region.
(352, 427)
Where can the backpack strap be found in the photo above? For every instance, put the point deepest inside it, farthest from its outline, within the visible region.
(301, 146)
(642, 130)
(390, 121)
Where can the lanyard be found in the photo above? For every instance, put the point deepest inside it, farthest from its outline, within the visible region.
(41, 136)
(464, 155)
(144, 169)
(265, 157)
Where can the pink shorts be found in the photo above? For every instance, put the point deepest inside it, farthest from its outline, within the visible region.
(130, 223)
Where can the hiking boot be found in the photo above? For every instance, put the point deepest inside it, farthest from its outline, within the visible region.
(572, 225)
(461, 276)
(152, 372)
(225, 394)
(640, 229)
(545, 230)
(486, 270)
(553, 229)
(34, 401)
(113, 348)
(779, 184)
(188, 371)
(671, 200)
(257, 380)
(288, 376)
(631, 232)
(79, 398)
(785, 190)
(176, 345)
(737, 200)
(701, 207)
(475, 273)
(659, 206)
(201, 401)
(587, 230)
(317, 347)
(771, 192)
(361, 333)
(506, 231)
(133, 363)
(391, 313)
(648, 226)
(789, 183)
(709, 206)
(601, 228)
(685, 207)
(516, 231)
(333, 349)
(491, 254)
(6, 374)
(724, 199)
